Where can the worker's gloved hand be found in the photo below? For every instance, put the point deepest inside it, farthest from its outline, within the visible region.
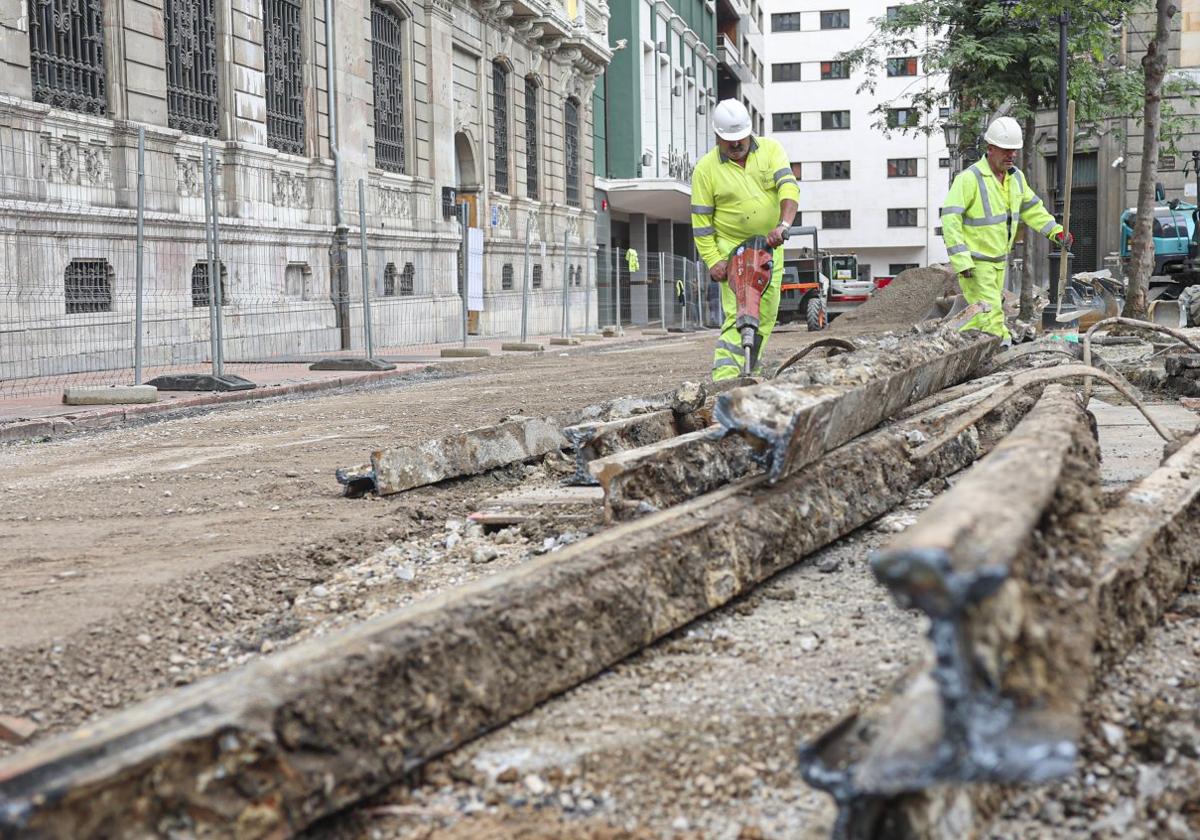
(775, 237)
(1065, 238)
(717, 272)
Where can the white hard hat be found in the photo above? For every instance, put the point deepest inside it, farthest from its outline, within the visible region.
(1004, 132)
(731, 121)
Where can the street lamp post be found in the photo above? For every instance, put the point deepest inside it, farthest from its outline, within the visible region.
(952, 129)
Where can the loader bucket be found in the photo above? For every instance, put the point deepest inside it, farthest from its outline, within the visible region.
(1168, 313)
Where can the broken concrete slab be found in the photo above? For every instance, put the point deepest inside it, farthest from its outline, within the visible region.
(517, 439)
(795, 420)
(292, 737)
(596, 440)
(109, 394)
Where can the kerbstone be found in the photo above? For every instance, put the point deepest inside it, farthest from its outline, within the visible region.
(111, 395)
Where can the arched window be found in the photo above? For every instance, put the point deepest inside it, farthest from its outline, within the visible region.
(506, 277)
(87, 286)
(66, 54)
(500, 125)
(389, 280)
(408, 279)
(532, 147)
(191, 43)
(387, 57)
(285, 75)
(571, 150)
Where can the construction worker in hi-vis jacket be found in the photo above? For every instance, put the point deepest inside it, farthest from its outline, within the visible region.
(980, 216)
(744, 187)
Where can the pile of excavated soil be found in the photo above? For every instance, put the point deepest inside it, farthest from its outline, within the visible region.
(906, 300)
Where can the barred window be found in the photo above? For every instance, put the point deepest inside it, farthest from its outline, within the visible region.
(531, 138)
(191, 66)
(87, 286)
(571, 147)
(66, 54)
(408, 280)
(506, 277)
(389, 280)
(387, 79)
(500, 127)
(285, 75)
(200, 285)
(537, 276)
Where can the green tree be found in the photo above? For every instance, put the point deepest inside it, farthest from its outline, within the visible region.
(1002, 57)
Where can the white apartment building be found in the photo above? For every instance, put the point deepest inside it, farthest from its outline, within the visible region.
(870, 194)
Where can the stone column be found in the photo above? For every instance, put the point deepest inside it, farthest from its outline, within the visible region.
(439, 25)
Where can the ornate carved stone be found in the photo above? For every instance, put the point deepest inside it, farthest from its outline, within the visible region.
(289, 189)
(189, 180)
(395, 203)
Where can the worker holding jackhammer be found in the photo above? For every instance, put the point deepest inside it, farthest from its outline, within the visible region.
(744, 187)
(986, 203)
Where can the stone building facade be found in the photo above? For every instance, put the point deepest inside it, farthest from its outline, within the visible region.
(487, 102)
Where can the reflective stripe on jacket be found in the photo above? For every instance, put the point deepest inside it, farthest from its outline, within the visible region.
(979, 216)
(731, 203)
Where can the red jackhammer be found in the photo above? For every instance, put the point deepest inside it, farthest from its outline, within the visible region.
(748, 275)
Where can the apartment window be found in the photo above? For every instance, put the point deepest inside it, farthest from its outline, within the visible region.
(897, 268)
(500, 127)
(796, 168)
(387, 79)
(835, 218)
(787, 22)
(893, 12)
(789, 121)
(944, 112)
(906, 66)
(191, 45)
(836, 19)
(285, 75)
(902, 118)
(66, 52)
(831, 120)
(902, 217)
(786, 72)
(834, 70)
(944, 163)
(835, 170)
(902, 167)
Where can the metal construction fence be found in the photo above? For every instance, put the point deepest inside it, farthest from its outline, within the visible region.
(113, 271)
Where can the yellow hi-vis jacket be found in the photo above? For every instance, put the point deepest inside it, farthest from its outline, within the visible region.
(731, 203)
(980, 216)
